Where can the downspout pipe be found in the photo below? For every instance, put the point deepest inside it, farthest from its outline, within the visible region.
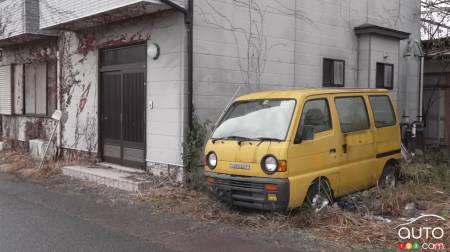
(190, 60)
(421, 73)
(422, 64)
(189, 21)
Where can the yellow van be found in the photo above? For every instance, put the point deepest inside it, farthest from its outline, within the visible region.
(277, 150)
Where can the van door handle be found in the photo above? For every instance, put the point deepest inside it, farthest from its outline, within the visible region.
(344, 148)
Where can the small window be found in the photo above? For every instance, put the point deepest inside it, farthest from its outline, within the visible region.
(316, 113)
(385, 76)
(36, 89)
(383, 111)
(333, 73)
(352, 113)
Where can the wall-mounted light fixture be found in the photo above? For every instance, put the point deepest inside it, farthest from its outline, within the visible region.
(153, 51)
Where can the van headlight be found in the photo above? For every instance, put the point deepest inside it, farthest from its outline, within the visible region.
(269, 164)
(211, 160)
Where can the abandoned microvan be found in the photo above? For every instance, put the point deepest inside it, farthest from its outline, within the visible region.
(277, 150)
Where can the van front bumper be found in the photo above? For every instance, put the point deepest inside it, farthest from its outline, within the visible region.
(250, 192)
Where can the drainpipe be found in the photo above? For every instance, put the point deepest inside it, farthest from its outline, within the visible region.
(421, 72)
(422, 63)
(58, 97)
(190, 41)
(189, 21)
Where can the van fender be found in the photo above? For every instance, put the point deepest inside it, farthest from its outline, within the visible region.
(300, 185)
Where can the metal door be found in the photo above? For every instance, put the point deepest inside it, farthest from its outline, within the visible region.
(123, 98)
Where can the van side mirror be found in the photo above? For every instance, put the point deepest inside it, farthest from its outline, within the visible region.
(306, 134)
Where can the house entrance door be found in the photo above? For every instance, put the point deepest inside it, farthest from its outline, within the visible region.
(123, 99)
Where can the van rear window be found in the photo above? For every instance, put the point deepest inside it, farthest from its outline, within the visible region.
(383, 111)
(352, 114)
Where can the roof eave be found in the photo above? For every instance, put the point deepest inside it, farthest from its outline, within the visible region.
(381, 31)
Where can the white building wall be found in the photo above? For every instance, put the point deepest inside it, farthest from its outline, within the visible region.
(281, 44)
(165, 83)
(227, 57)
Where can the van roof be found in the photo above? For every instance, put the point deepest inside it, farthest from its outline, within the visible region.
(304, 92)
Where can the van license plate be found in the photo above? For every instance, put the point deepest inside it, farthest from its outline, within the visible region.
(240, 166)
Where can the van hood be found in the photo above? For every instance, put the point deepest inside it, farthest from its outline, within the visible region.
(248, 152)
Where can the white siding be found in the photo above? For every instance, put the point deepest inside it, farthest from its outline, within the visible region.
(5, 90)
(18, 17)
(55, 12)
(11, 18)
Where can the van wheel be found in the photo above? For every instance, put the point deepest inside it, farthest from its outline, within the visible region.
(388, 178)
(319, 195)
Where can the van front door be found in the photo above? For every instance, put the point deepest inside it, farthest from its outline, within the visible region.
(356, 142)
(318, 157)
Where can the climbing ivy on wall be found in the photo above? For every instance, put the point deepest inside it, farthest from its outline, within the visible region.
(193, 146)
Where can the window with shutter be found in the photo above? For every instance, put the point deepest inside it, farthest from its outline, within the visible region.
(36, 89)
(5, 90)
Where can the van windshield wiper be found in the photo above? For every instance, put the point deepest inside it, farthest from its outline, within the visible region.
(260, 140)
(268, 139)
(247, 139)
(231, 138)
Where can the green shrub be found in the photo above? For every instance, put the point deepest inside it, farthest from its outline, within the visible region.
(193, 154)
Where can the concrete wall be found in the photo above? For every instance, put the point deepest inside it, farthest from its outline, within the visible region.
(375, 49)
(272, 44)
(226, 56)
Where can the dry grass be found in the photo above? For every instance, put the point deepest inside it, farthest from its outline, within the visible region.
(23, 165)
(370, 222)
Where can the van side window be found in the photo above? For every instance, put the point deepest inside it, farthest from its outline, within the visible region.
(382, 111)
(317, 114)
(352, 113)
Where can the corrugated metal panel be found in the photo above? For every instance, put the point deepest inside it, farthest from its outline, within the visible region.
(41, 89)
(30, 89)
(5, 90)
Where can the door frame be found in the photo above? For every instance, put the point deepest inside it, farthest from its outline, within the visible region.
(119, 68)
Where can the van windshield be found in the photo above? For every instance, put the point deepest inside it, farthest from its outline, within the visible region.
(257, 119)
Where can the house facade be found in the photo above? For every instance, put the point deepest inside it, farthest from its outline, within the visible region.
(129, 75)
